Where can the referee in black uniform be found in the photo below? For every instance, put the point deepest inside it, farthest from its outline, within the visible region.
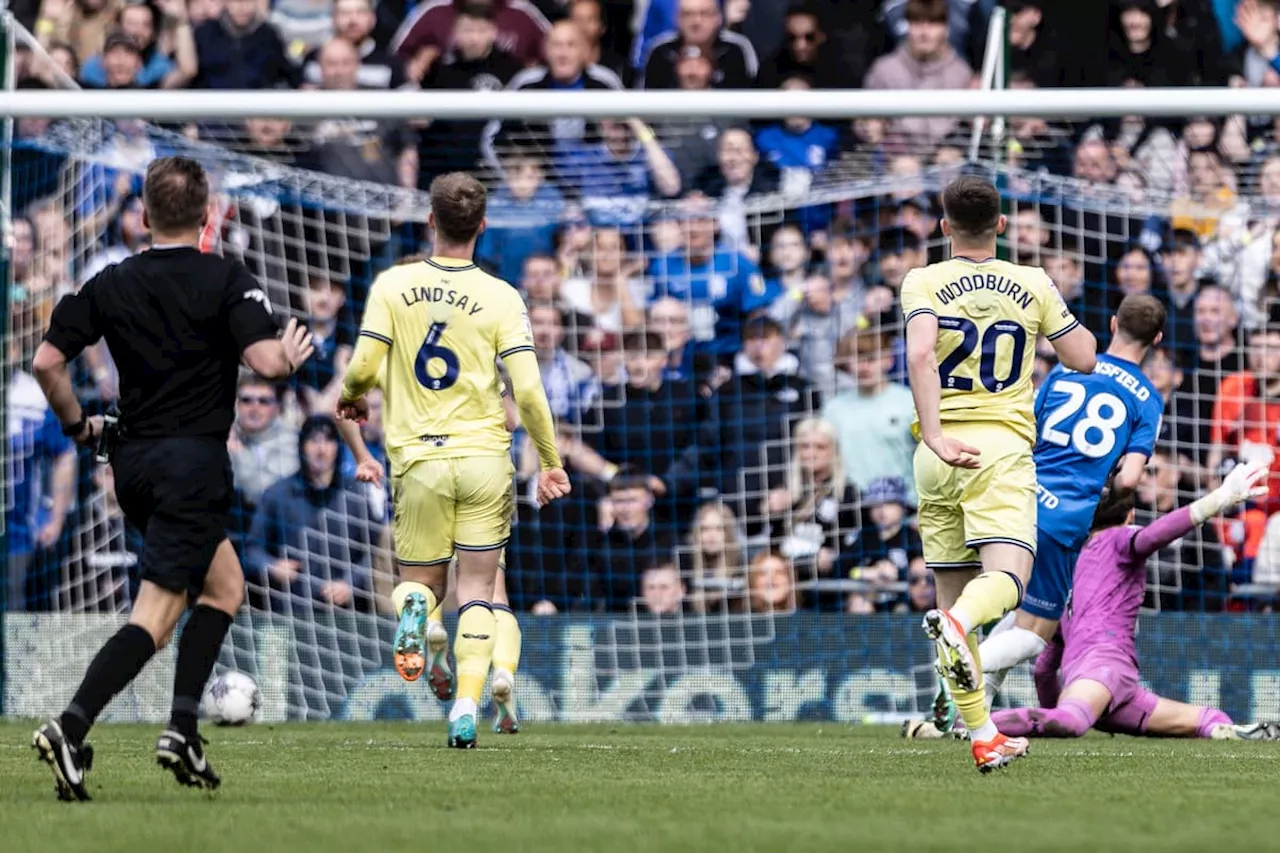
(178, 324)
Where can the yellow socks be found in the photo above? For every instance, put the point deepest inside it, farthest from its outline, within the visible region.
(986, 598)
(405, 588)
(506, 646)
(972, 704)
(473, 648)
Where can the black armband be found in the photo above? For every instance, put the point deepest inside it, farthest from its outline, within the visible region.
(76, 428)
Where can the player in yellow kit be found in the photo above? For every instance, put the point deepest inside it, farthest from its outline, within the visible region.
(972, 325)
(507, 638)
(441, 325)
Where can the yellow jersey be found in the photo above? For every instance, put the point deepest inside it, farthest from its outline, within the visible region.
(989, 316)
(446, 323)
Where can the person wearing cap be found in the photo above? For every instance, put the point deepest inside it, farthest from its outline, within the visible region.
(758, 407)
(888, 549)
(1182, 267)
(313, 534)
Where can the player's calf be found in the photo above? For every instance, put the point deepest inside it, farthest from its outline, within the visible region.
(183, 756)
(1071, 719)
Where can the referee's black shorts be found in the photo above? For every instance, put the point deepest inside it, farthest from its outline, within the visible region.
(178, 491)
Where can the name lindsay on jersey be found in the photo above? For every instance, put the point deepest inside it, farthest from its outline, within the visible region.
(989, 281)
(414, 295)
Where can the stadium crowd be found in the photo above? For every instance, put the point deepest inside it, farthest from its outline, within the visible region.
(729, 387)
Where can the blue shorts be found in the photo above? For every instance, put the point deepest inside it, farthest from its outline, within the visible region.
(1050, 584)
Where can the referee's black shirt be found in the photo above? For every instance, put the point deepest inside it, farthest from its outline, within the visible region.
(176, 321)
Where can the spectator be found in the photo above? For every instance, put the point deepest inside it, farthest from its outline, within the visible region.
(816, 511)
(1141, 50)
(263, 446)
(1246, 412)
(721, 286)
(657, 426)
(381, 152)
(474, 62)
(1033, 49)
(693, 143)
(801, 149)
(846, 254)
(815, 323)
(923, 61)
(874, 418)
(699, 24)
(83, 24)
(333, 331)
(921, 592)
(121, 63)
(714, 561)
(610, 294)
(771, 585)
(661, 591)
(630, 542)
(1178, 425)
(148, 25)
(541, 280)
(736, 174)
(353, 21)
(669, 319)
(1212, 195)
(524, 213)
(887, 550)
(1217, 354)
(571, 386)
(313, 534)
(427, 33)
(566, 67)
(807, 50)
(788, 259)
(618, 174)
(899, 252)
(589, 16)
(758, 409)
(240, 50)
(41, 479)
(1093, 163)
(1187, 567)
(271, 139)
(1182, 263)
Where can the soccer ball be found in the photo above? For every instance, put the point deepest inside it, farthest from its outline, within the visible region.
(232, 699)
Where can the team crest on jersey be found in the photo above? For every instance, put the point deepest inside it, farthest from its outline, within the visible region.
(756, 283)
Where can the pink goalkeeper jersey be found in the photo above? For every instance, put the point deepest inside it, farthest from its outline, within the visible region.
(1110, 583)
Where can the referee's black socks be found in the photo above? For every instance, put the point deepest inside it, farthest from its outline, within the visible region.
(117, 663)
(202, 638)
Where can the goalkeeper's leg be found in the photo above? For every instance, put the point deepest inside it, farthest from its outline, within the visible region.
(506, 657)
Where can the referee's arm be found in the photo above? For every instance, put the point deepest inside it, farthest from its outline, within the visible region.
(252, 326)
(72, 328)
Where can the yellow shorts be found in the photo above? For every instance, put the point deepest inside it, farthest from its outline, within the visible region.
(442, 504)
(962, 509)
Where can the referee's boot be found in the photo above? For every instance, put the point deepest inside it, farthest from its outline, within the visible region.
(184, 758)
(68, 762)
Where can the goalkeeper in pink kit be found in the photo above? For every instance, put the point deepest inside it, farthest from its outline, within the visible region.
(1088, 677)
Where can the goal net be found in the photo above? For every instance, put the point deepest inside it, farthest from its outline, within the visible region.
(714, 307)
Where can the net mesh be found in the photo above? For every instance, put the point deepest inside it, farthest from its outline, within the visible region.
(756, 481)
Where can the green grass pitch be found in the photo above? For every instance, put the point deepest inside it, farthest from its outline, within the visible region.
(395, 787)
